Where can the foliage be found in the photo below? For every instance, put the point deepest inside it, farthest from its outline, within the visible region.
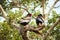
(8, 33)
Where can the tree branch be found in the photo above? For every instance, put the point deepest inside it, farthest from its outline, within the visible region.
(3, 12)
(36, 30)
(52, 7)
(4, 15)
(43, 5)
(36, 5)
(16, 26)
(51, 28)
(57, 6)
(26, 9)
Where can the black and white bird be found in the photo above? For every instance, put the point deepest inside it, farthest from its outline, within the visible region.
(39, 20)
(24, 21)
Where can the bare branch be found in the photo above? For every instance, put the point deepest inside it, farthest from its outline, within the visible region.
(43, 2)
(52, 7)
(26, 9)
(3, 12)
(51, 28)
(43, 5)
(57, 6)
(16, 25)
(36, 30)
(4, 15)
(36, 6)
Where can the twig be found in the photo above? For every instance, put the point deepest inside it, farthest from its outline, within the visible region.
(57, 6)
(52, 7)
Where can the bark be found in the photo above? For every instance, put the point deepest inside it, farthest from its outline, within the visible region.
(43, 5)
(3, 12)
(23, 33)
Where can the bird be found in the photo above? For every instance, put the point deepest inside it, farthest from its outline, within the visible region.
(24, 21)
(39, 20)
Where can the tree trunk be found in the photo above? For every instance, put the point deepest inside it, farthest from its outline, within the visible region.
(23, 33)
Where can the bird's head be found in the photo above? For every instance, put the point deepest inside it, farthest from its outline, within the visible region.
(40, 15)
(29, 14)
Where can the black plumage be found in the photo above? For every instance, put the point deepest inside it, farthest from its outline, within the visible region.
(23, 23)
(39, 19)
(25, 20)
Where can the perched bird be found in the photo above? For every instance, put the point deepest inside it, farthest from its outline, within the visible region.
(24, 21)
(39, 20)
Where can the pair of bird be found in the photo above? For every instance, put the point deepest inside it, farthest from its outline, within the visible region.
(27, 19)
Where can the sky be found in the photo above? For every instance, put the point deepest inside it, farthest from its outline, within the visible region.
(58, 3)
(58, 9)
(47, 9)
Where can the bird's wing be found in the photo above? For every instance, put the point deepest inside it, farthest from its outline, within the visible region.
(40, 19)
(24, 20)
